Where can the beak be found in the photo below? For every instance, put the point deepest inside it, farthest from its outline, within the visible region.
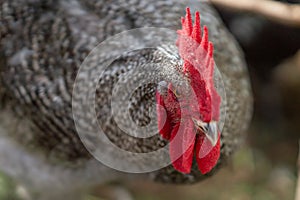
(212, 133)
(209, 129)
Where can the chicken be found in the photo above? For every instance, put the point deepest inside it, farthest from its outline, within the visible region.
(48, 139)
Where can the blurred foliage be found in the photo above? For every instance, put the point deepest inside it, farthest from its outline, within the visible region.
(7, 188)
(251, 176)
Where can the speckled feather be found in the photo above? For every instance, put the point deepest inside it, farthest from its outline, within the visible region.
(43, 44)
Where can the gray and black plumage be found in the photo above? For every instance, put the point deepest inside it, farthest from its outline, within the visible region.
(44, 42)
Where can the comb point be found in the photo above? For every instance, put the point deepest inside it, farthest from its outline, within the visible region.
(189, 24)
(196, 34)
(204, 42)
(210, 49)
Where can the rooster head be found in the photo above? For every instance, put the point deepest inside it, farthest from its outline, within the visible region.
(189, 122)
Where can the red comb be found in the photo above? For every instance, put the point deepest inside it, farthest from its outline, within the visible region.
(197, 52)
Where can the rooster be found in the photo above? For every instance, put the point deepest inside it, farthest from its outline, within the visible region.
(43, 44)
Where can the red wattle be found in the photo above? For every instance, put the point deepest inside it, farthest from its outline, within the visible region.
(163, 122)
(207, 163)
(182, 143)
